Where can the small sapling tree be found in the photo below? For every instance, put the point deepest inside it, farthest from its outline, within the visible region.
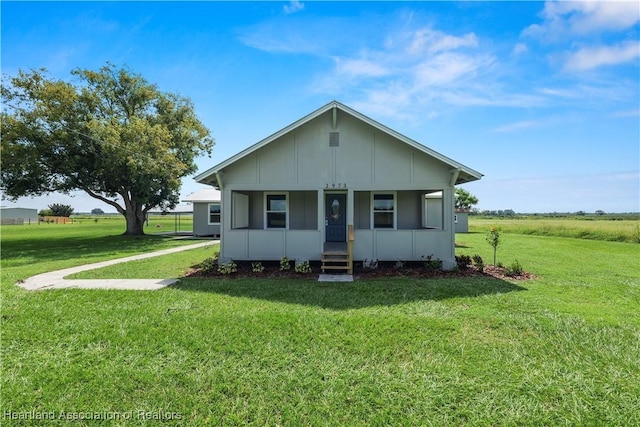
(493, 237)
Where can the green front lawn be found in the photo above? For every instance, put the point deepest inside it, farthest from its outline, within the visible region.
(561, 349)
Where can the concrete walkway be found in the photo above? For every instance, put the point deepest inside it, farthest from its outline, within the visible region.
(56, 279)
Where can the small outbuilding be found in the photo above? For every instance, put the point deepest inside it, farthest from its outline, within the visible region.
(433, 213)
(207, 213)
(337, 183)
(18, 216)
(461, 220)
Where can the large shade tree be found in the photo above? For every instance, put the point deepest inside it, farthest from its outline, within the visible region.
(112, 134)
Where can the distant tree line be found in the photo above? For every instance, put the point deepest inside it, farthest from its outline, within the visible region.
(500, 212)
(509, 213)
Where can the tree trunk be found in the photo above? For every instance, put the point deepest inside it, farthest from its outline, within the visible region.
(135, 222)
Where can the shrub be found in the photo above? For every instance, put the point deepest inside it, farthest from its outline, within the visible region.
(209, 265)
(478, 262)
(284, 264)
(463, 262)
(515, 269)
(399, 265)
(431, 264)
(371, 264)
(257, 267)
(227, 267)
(302, 266)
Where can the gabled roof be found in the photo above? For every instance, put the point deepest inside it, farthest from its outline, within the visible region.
(465, 174)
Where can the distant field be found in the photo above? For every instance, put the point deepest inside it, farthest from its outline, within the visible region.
(609, 229)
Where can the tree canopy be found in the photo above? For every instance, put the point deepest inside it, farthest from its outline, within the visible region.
(58, 209)
(464, 199)
(113, 135)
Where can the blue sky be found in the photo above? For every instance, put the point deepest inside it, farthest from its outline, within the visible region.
(542, 98)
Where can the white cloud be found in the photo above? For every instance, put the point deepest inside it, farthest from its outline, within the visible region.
(412, 72)
(278, 37)
(519, 49)
(513, 127)
(585, 30)
(447, 68)
(590, 16)
(360, 67)
(564, 17)
(626, 113)
(427, 40)
(571, 93)
(293, 7)
(596, 56)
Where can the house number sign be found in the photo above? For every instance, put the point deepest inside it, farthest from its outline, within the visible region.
(336, 185)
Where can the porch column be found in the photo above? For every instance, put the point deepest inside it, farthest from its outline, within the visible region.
(350, 209)
(448, 208)
(321, 226)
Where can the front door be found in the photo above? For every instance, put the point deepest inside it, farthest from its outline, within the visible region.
(335, 207)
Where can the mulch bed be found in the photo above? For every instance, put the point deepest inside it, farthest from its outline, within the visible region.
(385, 269)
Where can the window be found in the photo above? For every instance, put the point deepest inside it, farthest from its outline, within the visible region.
(214, 213)
(384, 210)
(276, 210)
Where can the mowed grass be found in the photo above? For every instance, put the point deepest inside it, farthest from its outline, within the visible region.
(563, 349)
(32, 249)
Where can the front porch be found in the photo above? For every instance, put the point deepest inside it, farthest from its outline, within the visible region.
(391, 225)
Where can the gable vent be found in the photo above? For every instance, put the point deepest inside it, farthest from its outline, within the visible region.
(334, 139)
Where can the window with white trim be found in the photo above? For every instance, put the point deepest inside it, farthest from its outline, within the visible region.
(384, 210)
(276, 210)
(214, 213)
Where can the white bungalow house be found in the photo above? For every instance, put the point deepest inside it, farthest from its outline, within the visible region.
(332, 177)
(206, 211)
